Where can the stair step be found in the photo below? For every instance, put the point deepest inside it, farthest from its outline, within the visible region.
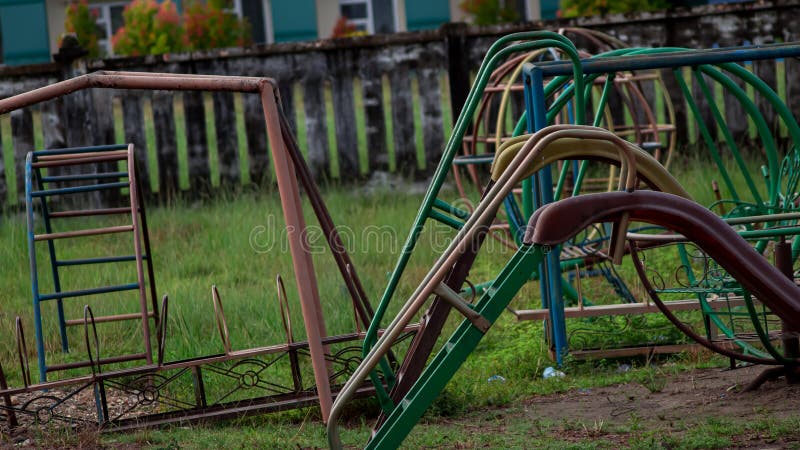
(114, 318)
(79, 150)
(68, 161)
(80, 189)
(90, 212)
(88, 232)
(83, 176)
(98, 260)
(91, 291)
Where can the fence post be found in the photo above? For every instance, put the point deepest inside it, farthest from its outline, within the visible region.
(458, 67)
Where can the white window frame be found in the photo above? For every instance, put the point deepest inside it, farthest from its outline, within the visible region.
(266, 8)
(104, 20)
(368, 21)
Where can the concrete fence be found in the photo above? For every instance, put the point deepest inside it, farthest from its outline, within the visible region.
(358, 105)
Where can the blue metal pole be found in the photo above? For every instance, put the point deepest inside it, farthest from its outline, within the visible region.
(550, 282)
(37, 313)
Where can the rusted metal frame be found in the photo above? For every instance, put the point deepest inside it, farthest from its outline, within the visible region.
(11, 417)
(339, 252)
(88, 232)
(685, 329)
(111, 318)
(700, 225)
(267, 88)
(431, 324)
(621, 309)
(148, 253)
(90, 212)
(75, 162)
(301, 259)
(137, 246)
(202, 411)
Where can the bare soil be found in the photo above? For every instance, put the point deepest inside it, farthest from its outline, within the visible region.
(684, 400)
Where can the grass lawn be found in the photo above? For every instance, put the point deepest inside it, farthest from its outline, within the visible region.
(234, 241)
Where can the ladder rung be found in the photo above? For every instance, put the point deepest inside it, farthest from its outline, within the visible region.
(83, 176)
(109, 360)
(89, 232)
(114, 318)
(98, 260)
(79, 150)
(80, 189)
(92, 291)
(90, 212)
(108, 156)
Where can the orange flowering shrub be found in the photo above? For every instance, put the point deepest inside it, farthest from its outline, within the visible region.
(209, 25)
(150, 29)
(80, 20)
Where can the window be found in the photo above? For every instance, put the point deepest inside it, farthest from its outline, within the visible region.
(109, 20)
(256, 12)
(358, 12)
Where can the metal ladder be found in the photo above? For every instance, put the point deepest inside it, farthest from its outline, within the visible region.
(59, 194)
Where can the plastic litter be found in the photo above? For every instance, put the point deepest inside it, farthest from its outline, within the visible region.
(551, 372)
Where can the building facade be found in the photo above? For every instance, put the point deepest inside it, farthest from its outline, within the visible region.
(30, 29)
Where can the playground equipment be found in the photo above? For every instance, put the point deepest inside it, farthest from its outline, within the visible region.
(707, 66)
(418, 386)
(405, 387)
(247, 381)
(73, 189)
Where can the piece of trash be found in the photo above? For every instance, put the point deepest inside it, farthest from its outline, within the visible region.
(585, 391)
(550, 372)
(622, 368)
(496, 378)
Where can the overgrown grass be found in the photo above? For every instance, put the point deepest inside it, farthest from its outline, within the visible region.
(224, 242)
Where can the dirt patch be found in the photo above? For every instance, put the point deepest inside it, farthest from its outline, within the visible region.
(695, 394)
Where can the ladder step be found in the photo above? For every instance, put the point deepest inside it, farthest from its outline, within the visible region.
(79, 150)
(80, 189)
(98, 260)
(83, 176)
(90, 212)
(89, 232)
(109, 360)
(114, 318)
(65, 161)
(92, 291)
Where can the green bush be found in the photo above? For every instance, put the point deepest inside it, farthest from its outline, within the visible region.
(577, 8)
(490, 12)
(150, 29)
(208, 25)
(80, 21)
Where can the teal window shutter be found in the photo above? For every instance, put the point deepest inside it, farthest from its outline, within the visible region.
(294, 20)
(426, 14)
(24, 27)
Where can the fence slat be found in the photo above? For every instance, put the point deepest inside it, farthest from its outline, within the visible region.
(133, 121)
(227, 141)
(735, 115)
(316, 127)
(703, 104)
(793, 85)
(256, 132)
(194, 113)
(286, 90)
(166, 143)
(345, 122)
(431, 108)
(22, 137)
(374, 120)
(766, 71)
(405, 154)
(4, 200)
(102, 101)
(679, 106)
